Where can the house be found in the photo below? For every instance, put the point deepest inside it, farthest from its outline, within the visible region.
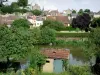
(63, 19)
(74, 15)
(7, 19)
(67, 12)
(97, 14)
(36, 7)
(54, 61)
(35, 20)
(51, 13)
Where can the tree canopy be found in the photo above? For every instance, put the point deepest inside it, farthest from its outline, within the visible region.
(95, 22)
(82, 22)
(7, 9)
(87, 10)
(80, 12)
(21, 23)
(74, 11)
(56, 25)
(14, 43)
(36, 12)
(14, 5)
(23, 3)
(47, 36)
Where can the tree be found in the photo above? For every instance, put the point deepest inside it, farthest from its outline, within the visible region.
(47, 36)
(80, 12)
(14, 5)
(92, 48)
(1, 2)
(37, 60)
(21, 23)
(36, 12)
(82, 22)
(56, 25)
(23, 3)
(35, 35)
(87, 10)
(74, 11)
(95, 22)
(7, 9)
(14, 42)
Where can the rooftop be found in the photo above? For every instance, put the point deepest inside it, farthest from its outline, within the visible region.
(56, 53)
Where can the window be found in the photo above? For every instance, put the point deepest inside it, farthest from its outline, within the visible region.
(47, 61)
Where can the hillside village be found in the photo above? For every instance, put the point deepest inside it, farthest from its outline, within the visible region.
(65, 16)
(38, 41)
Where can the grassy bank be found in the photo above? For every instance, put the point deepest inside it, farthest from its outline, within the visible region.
(81, 35)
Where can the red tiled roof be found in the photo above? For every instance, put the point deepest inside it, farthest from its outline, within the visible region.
(63, 19)
(56, 54)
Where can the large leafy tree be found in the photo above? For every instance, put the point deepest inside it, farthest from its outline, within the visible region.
(74, 11)
(36, 12)
(14, 5)
(56, 25)
(21, 23)
(1, 2)
(14, 42)
(82, 22)
(95, 22)
(80, 12)
(47, 36)
(92, 48)
(23, 3)
(87, 10)
(7, 9)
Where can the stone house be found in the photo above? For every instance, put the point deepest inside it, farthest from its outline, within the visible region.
(36, 7)
(51, 13)
(63, 19)
(35, 20)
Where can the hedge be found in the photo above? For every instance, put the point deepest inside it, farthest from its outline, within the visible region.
(72, 34)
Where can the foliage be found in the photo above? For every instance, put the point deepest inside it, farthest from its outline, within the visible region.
(35, 35)
(14, 42)
(70, 28)
(23, 3)
(87, 11)
(14, 5)
(74, 11)
(58, 34)
(91, 46)
(53, 25)
(36, 12)
(47, 36)
(21, 23)
(7, 9)
(21, 10)
(60, 42)
(1, 2)
(79, 70)
(95, 22)
(82, 22)
(94, 41)
(37, 60)
(80, 12)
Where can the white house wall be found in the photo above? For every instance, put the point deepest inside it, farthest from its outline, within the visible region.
(48, 67)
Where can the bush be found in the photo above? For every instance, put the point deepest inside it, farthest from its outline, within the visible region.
(47, 36)
(56, 25)
(79, 70)
(21, 23)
